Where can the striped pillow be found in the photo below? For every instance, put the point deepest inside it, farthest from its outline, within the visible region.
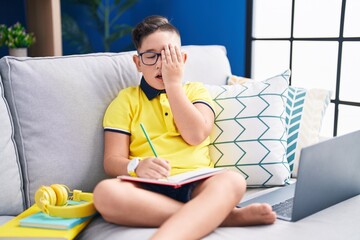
(305, 111)
(294, 111)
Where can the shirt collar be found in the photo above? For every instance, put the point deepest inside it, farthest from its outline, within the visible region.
(149, 91)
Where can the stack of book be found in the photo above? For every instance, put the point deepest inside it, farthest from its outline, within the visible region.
(32, 223)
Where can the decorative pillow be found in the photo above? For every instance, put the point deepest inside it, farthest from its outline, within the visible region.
(294, 111)
(250, 131)
(233, 79)
(305, 109)
(305, 112)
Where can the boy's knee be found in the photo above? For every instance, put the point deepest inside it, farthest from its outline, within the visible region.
(111, 192)
(100, 192)
(235, 182)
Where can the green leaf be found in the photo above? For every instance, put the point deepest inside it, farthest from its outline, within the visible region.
(15, 36)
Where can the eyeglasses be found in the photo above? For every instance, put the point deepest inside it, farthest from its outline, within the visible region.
(149, 58)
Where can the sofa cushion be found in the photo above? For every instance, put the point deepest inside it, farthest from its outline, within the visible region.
(206, 64)
(11, 197)
(250, 131)
(337, 222)
(57, 105)
(305, 110)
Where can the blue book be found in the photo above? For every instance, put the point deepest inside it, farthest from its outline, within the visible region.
(42, 220)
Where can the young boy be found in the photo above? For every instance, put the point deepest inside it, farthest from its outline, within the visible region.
(178, 118)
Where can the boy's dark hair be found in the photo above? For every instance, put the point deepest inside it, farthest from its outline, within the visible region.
(148, 26)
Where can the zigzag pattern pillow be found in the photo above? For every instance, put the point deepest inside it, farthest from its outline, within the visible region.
(305, 110)
(250, 130)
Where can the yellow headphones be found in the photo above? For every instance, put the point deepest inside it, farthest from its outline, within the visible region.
(53, 199)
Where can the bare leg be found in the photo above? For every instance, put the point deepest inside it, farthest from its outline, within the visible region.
(126, 203)
(213, 205)
(254, 214)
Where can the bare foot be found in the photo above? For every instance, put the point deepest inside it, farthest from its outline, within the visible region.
(254, 214)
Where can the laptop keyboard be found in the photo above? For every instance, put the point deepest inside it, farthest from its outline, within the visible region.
(284, 208)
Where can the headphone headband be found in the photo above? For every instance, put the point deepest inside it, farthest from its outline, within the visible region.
(53, 201)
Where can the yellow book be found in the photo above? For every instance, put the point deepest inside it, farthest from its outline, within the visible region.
(12, 230)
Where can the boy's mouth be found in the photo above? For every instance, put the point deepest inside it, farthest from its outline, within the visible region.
(158, 76)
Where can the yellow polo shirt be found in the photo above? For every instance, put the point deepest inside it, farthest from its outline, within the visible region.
(144, 104)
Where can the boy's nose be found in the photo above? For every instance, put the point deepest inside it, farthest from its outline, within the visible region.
(158, 64)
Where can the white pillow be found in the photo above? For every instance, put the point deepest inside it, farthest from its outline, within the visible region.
(305, 110)
(250, 130)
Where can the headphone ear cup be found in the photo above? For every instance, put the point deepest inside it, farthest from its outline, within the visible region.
(61, 194)
(45, 196)
(51, 200)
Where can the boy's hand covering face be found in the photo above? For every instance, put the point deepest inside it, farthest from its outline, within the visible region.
(172, 65)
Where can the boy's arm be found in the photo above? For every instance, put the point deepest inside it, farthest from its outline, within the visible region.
(116, 158)
(194, 121)
(116, 153)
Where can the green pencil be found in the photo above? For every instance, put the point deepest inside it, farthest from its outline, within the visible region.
(148, 139)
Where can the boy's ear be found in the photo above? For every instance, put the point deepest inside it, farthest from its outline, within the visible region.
(136, 60)
(184, 54)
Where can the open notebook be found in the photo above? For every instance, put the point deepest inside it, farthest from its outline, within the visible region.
(177, 180)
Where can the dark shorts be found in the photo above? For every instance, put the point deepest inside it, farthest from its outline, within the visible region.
(181, 194)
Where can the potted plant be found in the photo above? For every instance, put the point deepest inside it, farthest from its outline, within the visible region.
(16, 39)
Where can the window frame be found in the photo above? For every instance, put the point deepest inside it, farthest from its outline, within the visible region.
(340, 39)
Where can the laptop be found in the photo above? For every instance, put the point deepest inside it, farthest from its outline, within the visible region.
(328, 173)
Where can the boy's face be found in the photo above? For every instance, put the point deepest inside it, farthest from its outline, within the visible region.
(155, 42)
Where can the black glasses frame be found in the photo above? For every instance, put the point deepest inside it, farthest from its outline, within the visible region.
(155, 53)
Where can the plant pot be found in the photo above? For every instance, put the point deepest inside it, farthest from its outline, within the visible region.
(18, 52)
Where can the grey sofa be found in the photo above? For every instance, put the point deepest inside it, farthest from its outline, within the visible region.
(51, 111)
